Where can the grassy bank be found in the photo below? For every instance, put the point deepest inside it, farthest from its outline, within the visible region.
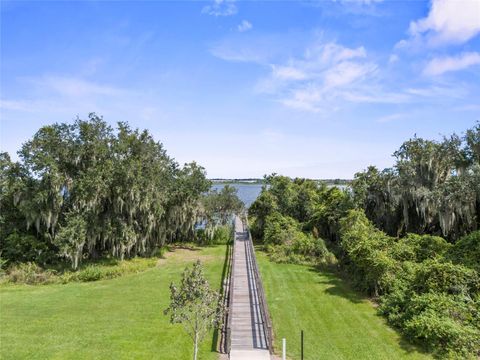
(120, 318)
(338, 323)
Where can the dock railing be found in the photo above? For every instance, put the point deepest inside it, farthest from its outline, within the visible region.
(228, 342)
(267, 321)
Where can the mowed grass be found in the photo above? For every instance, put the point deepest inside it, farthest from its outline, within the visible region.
(337, 322)
(120, 318)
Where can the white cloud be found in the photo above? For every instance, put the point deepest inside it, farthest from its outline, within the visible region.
(448, 22)
(287, 73)
(439, 92)
(71, 86)
(327, 72)
(310, 98)
(346, 73)
(333, 52)
(52, 93)
(244, 26)
(324, 78)
(220, 8)
(393, 59)
(438, 66)
(374, 94)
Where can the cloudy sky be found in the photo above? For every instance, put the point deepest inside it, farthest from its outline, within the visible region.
(316, 89)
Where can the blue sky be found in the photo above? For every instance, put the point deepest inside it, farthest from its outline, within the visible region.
(316, 89)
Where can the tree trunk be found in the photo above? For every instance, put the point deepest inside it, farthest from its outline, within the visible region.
(195, 347)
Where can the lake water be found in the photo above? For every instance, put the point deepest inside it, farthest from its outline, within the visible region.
(249, 192)
(246, 192)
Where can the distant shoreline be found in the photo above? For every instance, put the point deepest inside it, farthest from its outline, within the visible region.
(256, 181)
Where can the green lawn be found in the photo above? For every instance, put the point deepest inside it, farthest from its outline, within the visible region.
(120, 318)
(338, 323)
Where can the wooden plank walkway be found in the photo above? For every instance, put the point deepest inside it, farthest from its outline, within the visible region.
(248, 338)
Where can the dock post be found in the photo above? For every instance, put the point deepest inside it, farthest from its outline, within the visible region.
(302, 344)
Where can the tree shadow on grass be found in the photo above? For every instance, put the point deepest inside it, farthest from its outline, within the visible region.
(410, 347)
(337, 286)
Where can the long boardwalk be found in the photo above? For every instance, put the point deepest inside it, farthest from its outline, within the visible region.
(248, 338)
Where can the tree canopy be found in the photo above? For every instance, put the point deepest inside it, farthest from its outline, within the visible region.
(83, 190)
(433, 188)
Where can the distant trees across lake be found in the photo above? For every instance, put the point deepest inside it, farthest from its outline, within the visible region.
(264, 181)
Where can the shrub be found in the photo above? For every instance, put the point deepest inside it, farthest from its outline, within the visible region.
(3, 266)
(438, 304)
(90, 273)
(466, 251)
(96, 272)
(29, 273)
(366, 253)
(264, 205)
(215, 235)
(280, 229)
(302, 249)
(414, 247)
(18, 247)
(222, 235)
(334, 204)
(444, 323)
(445, 277)
(159, 252)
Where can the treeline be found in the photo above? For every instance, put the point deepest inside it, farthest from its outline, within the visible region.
(434, 188)
(408, 236)
(85, 191)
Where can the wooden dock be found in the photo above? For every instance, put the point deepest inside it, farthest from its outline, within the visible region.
(249, 329)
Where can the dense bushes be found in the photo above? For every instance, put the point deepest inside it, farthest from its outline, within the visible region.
(441, 322)
(222, 234)
(303, 249)
(285, 242)
(280, 229)
(426, 286)
(280, 217)
(419, 289)
(32, 274)
(26, 247)
(421, 247)
(366, 253)
(29, 273)
(466, 251)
